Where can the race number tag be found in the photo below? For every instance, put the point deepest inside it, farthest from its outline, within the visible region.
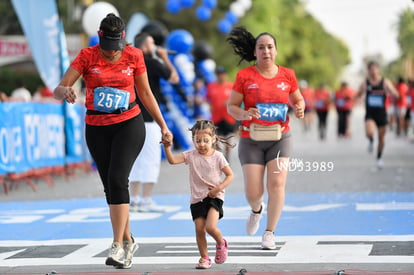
(273, 111)
(376, 101)
(320, 103)
(109, 100)
(340, 102)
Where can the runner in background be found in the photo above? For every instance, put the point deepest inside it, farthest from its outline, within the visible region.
(322, 99)
(401, 105)
(375, 88)
(391, 112)
(344, 103)
(218, 94)
(410, 105)
(307, 93)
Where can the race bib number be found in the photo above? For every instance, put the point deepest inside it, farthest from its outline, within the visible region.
(376, 101)
(273, 111)
(340, 102)
(320, 103)
(109, 100)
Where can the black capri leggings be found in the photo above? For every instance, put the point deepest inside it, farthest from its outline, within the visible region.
(114, 149)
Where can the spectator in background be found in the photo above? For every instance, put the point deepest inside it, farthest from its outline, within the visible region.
(307, 93)
(21, 93)
(3, 97)
(322, 99)
(218, 94)
(344, 103)
(198, 102)
(401, 105)
(146, 168)
(43, 93)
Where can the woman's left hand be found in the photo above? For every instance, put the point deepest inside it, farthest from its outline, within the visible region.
(299, 111)
(167, 136)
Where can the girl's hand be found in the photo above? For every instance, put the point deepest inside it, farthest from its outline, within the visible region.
(214, 191)
(166, 137)
(299, 112)
(251, 113)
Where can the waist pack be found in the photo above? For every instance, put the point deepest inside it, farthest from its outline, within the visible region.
(260, 132)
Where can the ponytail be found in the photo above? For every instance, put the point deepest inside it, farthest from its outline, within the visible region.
(243, 43)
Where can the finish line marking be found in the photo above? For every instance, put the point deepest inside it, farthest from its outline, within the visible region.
(242, 250)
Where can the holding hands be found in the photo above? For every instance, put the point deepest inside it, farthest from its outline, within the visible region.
(167, 137)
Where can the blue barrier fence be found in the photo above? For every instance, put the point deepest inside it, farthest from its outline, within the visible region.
(36, 134)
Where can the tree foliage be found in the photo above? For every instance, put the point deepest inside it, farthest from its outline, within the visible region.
(303, 43)
(406, 33)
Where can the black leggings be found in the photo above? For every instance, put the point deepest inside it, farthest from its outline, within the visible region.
(322, 116)
(114, 149)
(343, 121)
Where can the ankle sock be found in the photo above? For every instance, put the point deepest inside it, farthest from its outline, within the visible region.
(258, 212)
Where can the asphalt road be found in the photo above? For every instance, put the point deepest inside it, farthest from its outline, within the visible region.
(332, 167)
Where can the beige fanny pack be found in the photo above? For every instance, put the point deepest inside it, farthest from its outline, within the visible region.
(265, 133)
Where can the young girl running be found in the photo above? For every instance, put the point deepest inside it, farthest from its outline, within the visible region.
(206, 166)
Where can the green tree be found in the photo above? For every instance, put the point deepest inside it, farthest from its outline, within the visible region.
(405, 64)
(303, 43)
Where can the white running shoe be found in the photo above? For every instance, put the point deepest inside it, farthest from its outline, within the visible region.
(380, 164)
(268, 241)
(129, 250)
(253, 222)
(148, 205)
(133, 206)
(116, 255)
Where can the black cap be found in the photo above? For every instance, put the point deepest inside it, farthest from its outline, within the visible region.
(111, 41)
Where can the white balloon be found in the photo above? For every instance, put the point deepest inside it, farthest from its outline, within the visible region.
(247, 4)
(185, 66)
(237, 9)
(94, 14)
(210, 64)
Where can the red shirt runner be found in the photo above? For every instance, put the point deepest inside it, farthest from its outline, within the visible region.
(258, 89)
(98, 72)
(217, 96)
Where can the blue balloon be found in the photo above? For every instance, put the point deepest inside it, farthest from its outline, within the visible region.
(173, 6)
(224, 26)
(180, 41)
(211, 4)
(187, 3)
(203, 13)
(93, 40)
(233, 19)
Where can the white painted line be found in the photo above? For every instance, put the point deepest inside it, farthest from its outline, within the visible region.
(389, 206)
(296, 249)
